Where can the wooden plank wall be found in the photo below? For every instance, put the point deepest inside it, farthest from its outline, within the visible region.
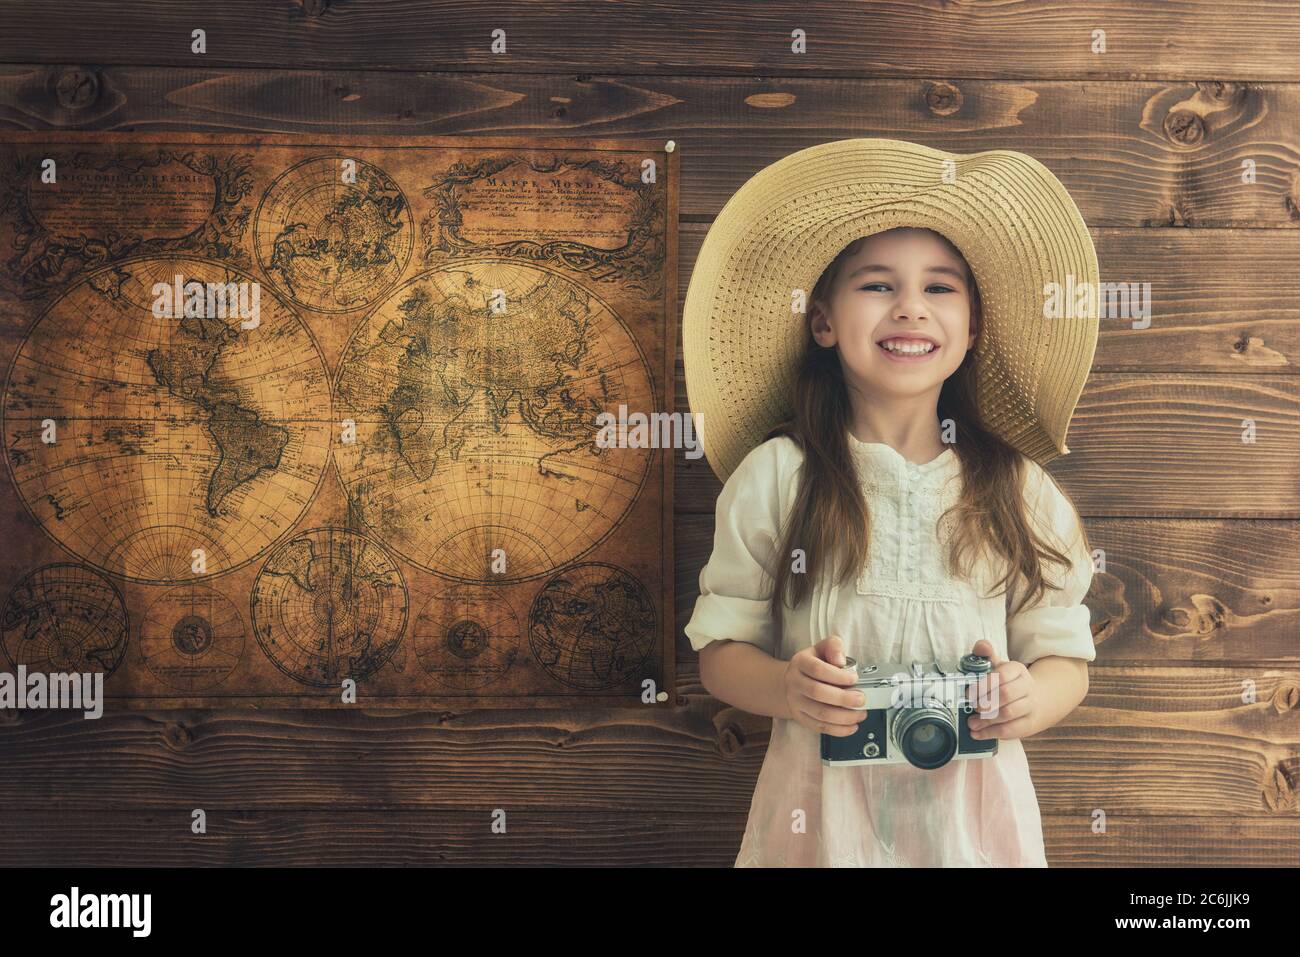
(1202, 589)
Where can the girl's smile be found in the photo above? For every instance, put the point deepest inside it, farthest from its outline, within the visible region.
(908, 349)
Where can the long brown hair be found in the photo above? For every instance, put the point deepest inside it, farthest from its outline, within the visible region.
(990, 513)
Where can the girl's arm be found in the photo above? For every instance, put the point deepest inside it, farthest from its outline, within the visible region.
(807, 689)
(745, 676)
(732, 626)
(1062, 684)
(1054, 636)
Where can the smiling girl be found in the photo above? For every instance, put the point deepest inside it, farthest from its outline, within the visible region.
(886, 516)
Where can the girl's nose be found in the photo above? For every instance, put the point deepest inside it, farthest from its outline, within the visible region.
(910, 305)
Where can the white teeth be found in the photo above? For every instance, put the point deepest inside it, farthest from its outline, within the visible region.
(909, 350)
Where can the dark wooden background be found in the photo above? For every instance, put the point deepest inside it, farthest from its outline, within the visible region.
(1202, 589)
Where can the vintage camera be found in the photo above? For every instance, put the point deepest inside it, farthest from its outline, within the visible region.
(915, 715)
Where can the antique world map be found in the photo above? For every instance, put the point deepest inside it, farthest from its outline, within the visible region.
(287, 416)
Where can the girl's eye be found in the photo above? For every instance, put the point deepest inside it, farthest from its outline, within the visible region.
(939, 286)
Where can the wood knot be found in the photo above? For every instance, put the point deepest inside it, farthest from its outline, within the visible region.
(1177, 216)
(731, 740)
(177, 735)
(1222, 92)
(76, 88)
(1184, 127)
(769, 101)
(1279, 792)
(1286, 698)
(314, 8)
(943, 99)
(1207, 618)
(1252, 349)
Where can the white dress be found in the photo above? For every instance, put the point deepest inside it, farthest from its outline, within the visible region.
(979, 812)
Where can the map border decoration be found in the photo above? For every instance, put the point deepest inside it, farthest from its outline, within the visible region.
(441, 228)
(38, 250)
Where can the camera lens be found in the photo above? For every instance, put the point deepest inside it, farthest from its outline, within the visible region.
(926, 736)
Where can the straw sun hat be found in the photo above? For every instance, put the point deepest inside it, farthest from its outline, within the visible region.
(1011, 218)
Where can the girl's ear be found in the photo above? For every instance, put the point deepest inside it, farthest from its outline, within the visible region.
(822, 332)
(976, 322)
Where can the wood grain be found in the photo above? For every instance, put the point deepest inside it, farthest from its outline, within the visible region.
(52, 838)
(1175, 840)
(1248, 39)
(1131, 153)
(440, 837)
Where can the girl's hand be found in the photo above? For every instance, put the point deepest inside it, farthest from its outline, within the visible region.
(815, 691)
(1011, 707)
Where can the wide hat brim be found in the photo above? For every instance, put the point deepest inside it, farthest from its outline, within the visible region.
(1012, 219)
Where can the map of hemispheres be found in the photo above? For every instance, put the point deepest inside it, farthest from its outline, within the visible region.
(474, 390)
(171, 433)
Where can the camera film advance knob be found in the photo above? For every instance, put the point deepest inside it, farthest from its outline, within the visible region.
(975, 664)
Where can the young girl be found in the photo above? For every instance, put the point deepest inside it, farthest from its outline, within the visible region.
(884, 519)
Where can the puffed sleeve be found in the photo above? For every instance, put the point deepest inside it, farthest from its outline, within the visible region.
(1059, 623)
(736, 584)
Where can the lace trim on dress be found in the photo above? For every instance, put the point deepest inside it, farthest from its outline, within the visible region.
(919, 591)
(909, 538)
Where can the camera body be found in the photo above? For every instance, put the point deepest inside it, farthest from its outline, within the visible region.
(916, 714)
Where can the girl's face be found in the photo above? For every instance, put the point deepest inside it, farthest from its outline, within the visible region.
(900, 283)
